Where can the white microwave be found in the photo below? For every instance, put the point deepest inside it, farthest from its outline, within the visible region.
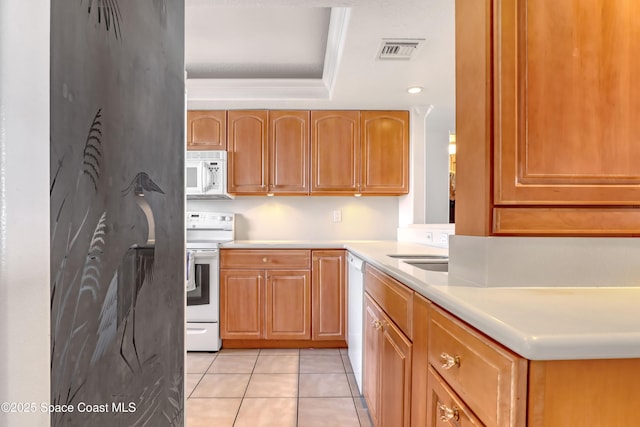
(206, 175)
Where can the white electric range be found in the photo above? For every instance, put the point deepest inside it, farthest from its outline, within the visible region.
(205, 232)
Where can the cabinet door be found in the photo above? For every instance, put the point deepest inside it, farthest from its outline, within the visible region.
(385, 152)
(335, 152)
(419, 360)
(206, 130)
(247, 152)
(371, 361)
(568, 123)
(329, 299)
(444, 406)
(241, 304)
(288, 309)
(395, 376)
(289, 152)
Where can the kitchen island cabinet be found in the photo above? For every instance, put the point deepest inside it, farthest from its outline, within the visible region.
(459, 376)
(547, 118)
(387, 350)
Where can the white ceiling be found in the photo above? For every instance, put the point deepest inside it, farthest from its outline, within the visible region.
(292, 54)
(256, 42)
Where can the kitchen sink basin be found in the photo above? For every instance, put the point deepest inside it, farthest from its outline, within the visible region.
(438, 257)
(431, 266)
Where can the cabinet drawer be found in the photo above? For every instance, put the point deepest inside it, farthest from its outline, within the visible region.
(394, 298)
(444, 407)
(490, 379)
(269, 258)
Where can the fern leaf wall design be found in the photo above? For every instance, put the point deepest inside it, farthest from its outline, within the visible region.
(117, 307)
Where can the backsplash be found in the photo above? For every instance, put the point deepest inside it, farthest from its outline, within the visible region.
(427, 234)
(308, 218)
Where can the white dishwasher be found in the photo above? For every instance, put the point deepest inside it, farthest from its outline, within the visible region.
(355, 312)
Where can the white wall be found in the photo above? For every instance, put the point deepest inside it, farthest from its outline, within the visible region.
(438, 123)
(308, 218)
(412, 206)
(24, 208)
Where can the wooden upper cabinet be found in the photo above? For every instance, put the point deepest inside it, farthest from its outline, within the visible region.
(206, 130)
(289, 152)
(335, 152)
(568, 126)
(548, 88)
(247, 160)
(385, 152)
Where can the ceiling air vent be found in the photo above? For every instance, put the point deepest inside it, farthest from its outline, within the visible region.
(398, 48)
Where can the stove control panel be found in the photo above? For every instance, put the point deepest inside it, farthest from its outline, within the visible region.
(210, 220)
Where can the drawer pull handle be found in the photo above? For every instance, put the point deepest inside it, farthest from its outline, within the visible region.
(449, 361)
(448, 414)
(265, 259)
(376, 324)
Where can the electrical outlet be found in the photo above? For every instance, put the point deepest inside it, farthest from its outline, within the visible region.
(337, 215)
(444, 238)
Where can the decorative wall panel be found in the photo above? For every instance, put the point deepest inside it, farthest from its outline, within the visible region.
(117, 203)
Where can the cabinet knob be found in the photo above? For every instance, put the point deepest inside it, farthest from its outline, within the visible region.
(448, 414)
(376, 324)
(448, 361)
(265, 259)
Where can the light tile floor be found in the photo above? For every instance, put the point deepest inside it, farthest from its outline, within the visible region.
(273, 387)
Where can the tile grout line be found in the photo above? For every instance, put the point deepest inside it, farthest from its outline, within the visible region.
(246, 388)
(202, 375)
(298, 390)
(353, 398)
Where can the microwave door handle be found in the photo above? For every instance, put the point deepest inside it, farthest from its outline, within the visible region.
(206, 178)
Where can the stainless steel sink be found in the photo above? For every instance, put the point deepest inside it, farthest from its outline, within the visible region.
(431, 266)
(438, 257)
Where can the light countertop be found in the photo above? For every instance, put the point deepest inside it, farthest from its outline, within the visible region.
(539, 323)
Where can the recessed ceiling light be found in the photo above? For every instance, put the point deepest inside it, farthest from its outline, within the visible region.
(415, 89)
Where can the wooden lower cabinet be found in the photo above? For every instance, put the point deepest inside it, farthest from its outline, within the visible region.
(241, 304)
(444, 407)
(371, 362)
(288, 305)
(420, 360)
(278, 298)
(255, 304)
(387, 369)
(448, 373)
(329, 295)
(489, 378)
(601, 392)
